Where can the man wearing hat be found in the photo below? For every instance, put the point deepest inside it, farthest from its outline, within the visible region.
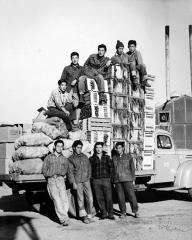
(120, 57)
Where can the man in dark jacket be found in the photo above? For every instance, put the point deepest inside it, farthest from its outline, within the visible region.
(124, 175)
(79, 177)
(95, 67)
(55, 168)
(102, 169)
(71, 75)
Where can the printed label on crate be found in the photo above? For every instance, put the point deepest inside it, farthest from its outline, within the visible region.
(91, 85)
(119, 116)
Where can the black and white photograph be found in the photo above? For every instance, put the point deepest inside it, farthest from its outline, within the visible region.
(95, 120)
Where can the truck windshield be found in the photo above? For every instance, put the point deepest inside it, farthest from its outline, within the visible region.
(164, 142)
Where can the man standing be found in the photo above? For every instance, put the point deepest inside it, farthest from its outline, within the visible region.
(136, 63)
(79, 177)
(95, 67)
(124, 175)
(54, 169)
(62, 104)
(102, 168)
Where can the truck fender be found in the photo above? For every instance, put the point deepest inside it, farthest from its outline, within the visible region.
(183, 178)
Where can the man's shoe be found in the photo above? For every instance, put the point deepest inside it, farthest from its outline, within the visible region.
(111, 217)
(103, 217)
(65, 223)
(123, 216)
(86, 220)
(91, 220)
(136, 215)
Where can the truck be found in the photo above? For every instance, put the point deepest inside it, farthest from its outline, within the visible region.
(158, 163)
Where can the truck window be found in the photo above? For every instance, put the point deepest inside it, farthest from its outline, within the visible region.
(164, 142)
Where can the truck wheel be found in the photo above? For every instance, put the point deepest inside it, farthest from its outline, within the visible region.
(190, 193)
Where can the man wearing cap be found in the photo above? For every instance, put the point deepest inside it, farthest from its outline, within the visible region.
(136, 63)
(120, 57)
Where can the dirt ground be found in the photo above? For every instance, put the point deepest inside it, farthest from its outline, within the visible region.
(163, 215)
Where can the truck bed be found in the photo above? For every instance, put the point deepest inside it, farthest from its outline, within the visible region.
(40, 178)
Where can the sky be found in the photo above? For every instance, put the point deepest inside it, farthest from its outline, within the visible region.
(37, 37)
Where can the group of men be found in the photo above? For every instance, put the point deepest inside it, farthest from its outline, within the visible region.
(67, 101)
(90, 177)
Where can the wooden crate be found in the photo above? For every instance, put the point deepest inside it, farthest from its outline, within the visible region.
(135, 135)
(120, 132)
(96, 124)
(99, 136)
(148, 160)
(149, 121)
(149, 141)
(118, 72)
(4, 165)
(118, 117)
(91, 85)
(95, 111)
(92, 97)
(119, 101)
(6, 150)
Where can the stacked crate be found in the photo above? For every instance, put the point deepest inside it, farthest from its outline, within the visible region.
(8, 135)
(132, 122)
(149, 127)
(96, 120)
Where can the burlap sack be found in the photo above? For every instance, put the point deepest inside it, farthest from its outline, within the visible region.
(33, 139)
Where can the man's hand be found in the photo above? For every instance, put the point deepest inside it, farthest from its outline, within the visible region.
(66, 112)
(74, 82)
(108, 63)
(74, 186)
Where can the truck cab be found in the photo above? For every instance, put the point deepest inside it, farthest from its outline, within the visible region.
(172, 167)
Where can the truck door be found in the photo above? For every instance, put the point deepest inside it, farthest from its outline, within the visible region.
(166, 161)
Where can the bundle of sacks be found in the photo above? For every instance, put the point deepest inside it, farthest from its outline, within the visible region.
(32, 148)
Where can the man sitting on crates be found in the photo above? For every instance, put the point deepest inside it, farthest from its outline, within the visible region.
(62, 104)
(136, 63)
(71, 74)
(95, 67)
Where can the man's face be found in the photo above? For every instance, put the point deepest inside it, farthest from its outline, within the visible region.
(99, 149)
(120, 50)
(101, 52)
(120, 149)
(59, 148)
(63, 86)
(78, 149)
(75, 59)
(131, 47)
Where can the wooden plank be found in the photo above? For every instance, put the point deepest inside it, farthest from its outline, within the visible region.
(20, 178)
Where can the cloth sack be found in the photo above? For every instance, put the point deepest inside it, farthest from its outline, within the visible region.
(47, 129)
(30, 166)
(33, 139)
(27, 152)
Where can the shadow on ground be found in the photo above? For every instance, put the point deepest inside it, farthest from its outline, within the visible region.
(9, 225)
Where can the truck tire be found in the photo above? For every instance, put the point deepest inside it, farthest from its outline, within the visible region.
(190, 193)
